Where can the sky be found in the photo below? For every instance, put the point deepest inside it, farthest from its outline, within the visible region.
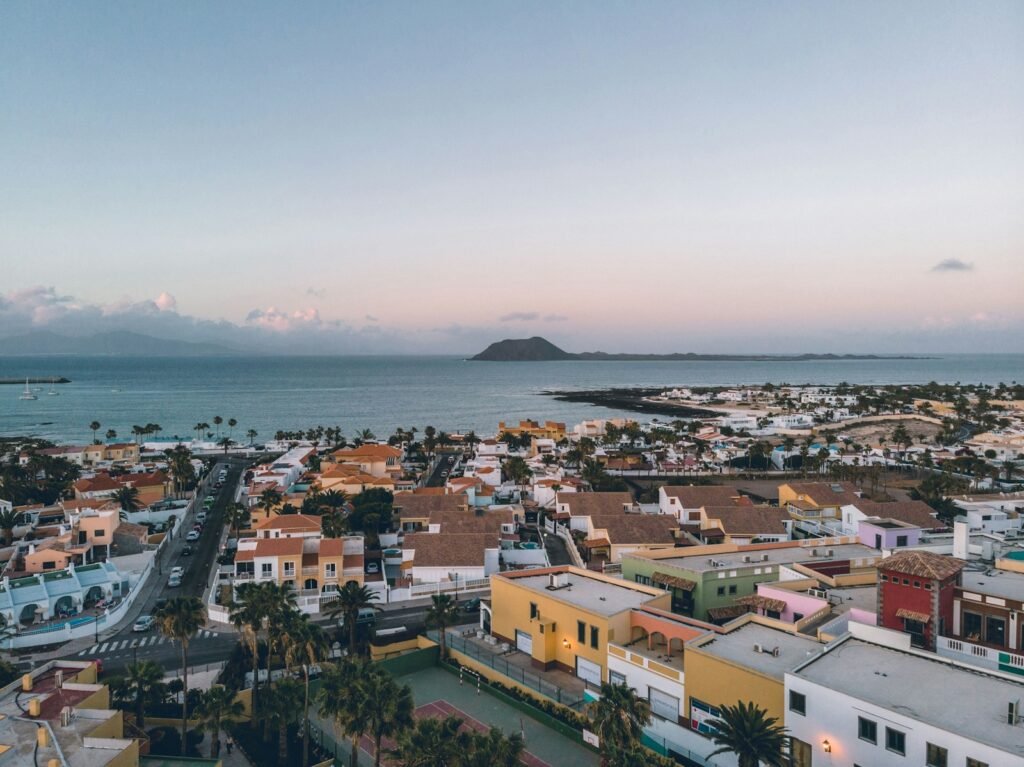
(429, 177)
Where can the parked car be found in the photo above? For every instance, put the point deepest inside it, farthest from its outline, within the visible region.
(160, 604)
(186, 551)
(471, 605)
(201, 517)
(144, 623)
(373, 566)
(174, 581)
(366, 615)
(178, 570)
(193, 536)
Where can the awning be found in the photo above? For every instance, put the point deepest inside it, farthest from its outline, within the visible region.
(597, 543)
(562, 515)
(913, 615)
(674, 581)
(724, 613)
(765, 603)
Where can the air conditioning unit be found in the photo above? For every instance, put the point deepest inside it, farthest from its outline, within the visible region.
(814, 552)
(775, 652)
(746, 558)
(66, 715)
(764, 557)
(758, 648)
(1013, 712)
(58, 678)
(830, 553)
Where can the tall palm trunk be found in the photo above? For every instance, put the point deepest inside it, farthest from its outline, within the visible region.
(255, 667)
(184, 696)
(376, 750)
(354, 761)
(352, 634)
(305, 718)
(282, 742)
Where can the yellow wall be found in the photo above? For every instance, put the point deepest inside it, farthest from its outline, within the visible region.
(98, 700)
(511, 611)
(718, 683)
(109, 728)
(127, 758)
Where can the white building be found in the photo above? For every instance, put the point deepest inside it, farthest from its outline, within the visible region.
(872, 700)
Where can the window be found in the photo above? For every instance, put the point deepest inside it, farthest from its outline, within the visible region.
(732, 589)
(267, 569)
(901, 540)
(594, 636)
(976, 763)
(867, 730)
(916, 631)
(906, 581)
(581, 632)
(614, 677)
(895, 741)
(883, 577)
(936, 756)
(995, 630)
(663, 705)
(797, 702)
(927, 586)
(917, 584)
(972, 626)
(721, 591)
(97, 533)
(534, 612)
(330, 570)
(51, 565)
(800, 753)
(643, 580)
(289, 568)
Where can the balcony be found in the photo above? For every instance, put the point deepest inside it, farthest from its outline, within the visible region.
(650, 660)
(310, 570)
(979, 655)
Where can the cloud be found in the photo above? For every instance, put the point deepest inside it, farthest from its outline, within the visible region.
(316, 292)
(279, 321)
(165, 302)
(519, 317)
(555, 318)
(953, 265)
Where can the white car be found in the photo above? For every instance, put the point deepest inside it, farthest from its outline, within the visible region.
(174, 581)
(144, 623)
(201, 517)
(193, 536)
(177, 571)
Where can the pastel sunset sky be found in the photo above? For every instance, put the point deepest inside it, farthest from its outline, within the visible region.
(433, 176)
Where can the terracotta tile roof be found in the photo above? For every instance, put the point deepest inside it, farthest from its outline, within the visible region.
(277, 547)
(674, 581)
(438, 550)
(597, 543)
(913, 615)
(410, 505)
(752, 520)
(827, 493)
(696, 496)
(625, 528)
(99, 483)
(729, 611)
(923, 564)
(331, 547)
(289, 522)
(917, 513)
(378, 452)
(766, 603)
(588, 504)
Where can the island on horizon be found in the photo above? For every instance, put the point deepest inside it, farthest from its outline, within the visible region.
(539, 349)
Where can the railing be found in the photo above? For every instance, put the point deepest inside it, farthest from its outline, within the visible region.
(642, 661)
(441, 587)
(511, 671)
(310, 570)
(979, 655)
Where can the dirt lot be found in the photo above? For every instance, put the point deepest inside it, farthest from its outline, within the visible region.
(877, 432)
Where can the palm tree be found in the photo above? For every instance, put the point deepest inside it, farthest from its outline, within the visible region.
(217, 421)
(341, 697)
(747, 731)
(388, 708)
(225, 442)
(236, 515)
(127, 498)
(433, 743)
(143, 684)
(269, 499)
(333, 524)
(95, 427)
(495, 749)
(111, 434)
(443, 612)
(351, 599)
(618, 718)
(251, 434)
(217, 704)
(307, 645)
(8, 521)
(179, 620)
(280, 707)
(232, 423)
(247, 613)
(334, 499)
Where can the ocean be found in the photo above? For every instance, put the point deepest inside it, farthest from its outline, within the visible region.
(382, 393)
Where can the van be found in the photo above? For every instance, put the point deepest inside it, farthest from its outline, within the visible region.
(366, 616)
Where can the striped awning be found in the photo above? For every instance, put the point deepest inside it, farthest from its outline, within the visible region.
(674, 581)
(765, 603)
(913, 615)
(730, 611)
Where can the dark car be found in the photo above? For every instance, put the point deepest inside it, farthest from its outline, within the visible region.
(186, 551)
(471, 605)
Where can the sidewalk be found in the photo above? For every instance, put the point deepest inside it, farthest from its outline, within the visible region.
(236, 758)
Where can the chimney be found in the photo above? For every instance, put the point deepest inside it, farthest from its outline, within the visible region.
(960, 538)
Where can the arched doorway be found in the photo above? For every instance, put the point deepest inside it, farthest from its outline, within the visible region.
(310, 583)
(29, 613)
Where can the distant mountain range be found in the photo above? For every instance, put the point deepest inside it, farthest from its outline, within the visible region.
(116, 343)
(539, 349)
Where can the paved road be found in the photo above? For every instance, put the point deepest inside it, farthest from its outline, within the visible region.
(446, 462)
(210, 645)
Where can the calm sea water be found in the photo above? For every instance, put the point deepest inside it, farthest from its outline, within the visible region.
(382, 393)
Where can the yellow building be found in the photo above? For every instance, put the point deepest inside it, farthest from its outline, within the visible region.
(548, 430)
(564, 617)
(815, 501)
(748, 662)
(375, 460)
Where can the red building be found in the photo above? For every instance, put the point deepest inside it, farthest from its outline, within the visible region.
(916, 590)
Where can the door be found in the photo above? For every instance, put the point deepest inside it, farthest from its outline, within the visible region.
(588, 671)
(524, 642)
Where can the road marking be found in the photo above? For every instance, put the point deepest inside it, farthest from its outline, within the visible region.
(90, 651)
(102, 647)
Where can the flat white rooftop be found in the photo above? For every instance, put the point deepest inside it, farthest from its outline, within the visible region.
(591, 594)
(781, 556)
(965, 701)
(999, 583)
(738, 647)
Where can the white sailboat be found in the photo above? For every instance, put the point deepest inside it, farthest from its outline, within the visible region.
(53, 392)
(27, 394)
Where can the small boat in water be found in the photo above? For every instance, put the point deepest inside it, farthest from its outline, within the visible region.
(27, 394)
(53, 392)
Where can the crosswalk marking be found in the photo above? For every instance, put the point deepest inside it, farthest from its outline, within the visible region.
(102, 647)
(153, 640)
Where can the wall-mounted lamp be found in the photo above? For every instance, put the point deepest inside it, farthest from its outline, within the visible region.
(566, 644)
(826, 746)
